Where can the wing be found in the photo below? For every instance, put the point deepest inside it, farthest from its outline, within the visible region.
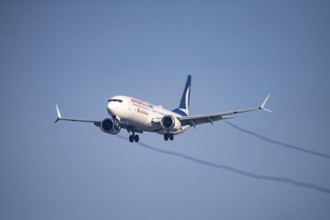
(96, 122)
(210, 118)
(59, 118)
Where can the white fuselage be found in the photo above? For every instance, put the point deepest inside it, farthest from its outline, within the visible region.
(140, 114)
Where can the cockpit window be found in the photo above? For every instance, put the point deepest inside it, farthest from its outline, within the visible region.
(115, 100)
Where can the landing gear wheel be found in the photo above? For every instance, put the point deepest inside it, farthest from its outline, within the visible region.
(131, 138)
(171, 136)
(166, 137)
(136, 138)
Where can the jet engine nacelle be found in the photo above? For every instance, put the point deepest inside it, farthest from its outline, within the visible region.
(170, 123)
(110, 126)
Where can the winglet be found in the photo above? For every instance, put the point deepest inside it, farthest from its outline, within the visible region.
(264, 103)
(59, 116)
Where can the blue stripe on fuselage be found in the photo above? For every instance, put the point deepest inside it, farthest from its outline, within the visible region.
(179, 111)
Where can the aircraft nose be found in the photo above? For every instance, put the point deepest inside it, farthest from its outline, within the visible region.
(110, 108)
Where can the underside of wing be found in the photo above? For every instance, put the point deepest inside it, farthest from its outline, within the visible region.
(210, 118)
(199, 119)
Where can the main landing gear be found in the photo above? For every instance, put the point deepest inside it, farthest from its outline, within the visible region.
(168, 136)
(133, 138)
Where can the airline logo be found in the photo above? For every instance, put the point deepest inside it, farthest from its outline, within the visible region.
(139, 102)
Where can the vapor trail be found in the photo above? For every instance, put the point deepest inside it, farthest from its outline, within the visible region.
(238, 171)
(279, 143)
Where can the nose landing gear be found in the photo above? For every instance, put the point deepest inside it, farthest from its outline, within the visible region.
(133, 137)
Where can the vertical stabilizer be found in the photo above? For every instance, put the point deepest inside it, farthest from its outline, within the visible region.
(185, 99)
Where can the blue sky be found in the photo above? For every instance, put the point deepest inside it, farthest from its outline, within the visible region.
(79, 54)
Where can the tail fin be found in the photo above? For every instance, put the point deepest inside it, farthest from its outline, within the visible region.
(185, 99)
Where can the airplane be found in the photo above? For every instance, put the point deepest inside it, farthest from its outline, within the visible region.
(137, 116)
